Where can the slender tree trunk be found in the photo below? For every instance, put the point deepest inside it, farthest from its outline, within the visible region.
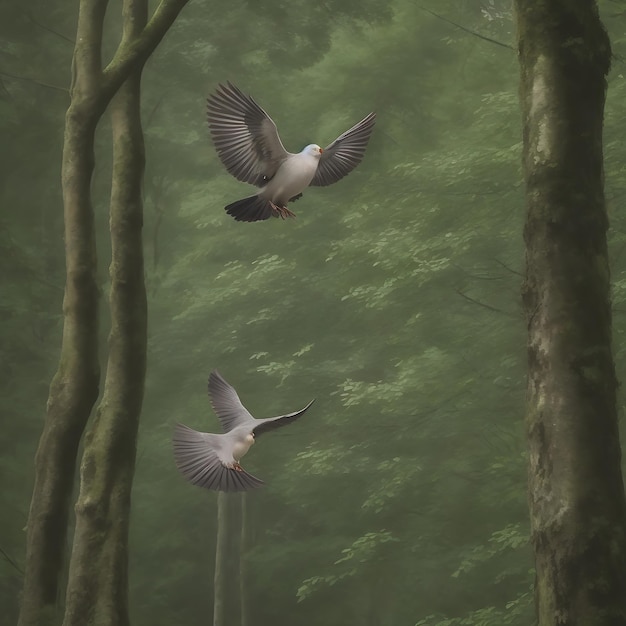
(74, 388)
(576, 492)
(244, 546)
(226, 588)
(98, 582)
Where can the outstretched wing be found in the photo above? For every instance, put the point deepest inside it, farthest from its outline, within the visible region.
(270, 423)
(200, 458)
(226, 403)
(345, 153)
(245, 136)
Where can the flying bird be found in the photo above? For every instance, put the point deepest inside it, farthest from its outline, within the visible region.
(247, 143)
(212, 461)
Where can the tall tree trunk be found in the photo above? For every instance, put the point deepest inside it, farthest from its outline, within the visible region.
(98, 581)
(74, 388)
(226, 588)
(576, 492)
(244, 546)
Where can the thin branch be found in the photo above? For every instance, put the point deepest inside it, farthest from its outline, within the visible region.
(153, 112)
(50, 30)
(482, 304)
(35, 81)
(11, 561)
(468, 30)
(506, 267)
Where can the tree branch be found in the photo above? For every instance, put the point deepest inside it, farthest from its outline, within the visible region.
(50, 30)
(482, 304)
(137, 50)
(506, 267)
(468, 30)
(11, 561)
(34, 81)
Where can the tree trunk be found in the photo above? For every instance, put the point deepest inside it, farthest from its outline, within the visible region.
(226, 588)
(74, 388)
(576, 492)
(98, 582)
(244, 546)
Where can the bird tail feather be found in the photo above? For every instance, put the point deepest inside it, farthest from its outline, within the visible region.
(252, 209)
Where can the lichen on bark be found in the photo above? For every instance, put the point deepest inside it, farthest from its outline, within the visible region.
(576, 492)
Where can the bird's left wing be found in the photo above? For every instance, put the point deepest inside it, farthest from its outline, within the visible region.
(202, 459)
(345, 153)
(270, 423)
(245, 136)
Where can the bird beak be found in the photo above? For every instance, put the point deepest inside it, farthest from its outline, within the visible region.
(321, 151)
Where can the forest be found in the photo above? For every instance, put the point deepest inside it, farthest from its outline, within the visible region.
(400, 299)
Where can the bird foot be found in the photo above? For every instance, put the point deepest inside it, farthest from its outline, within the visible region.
(237, 467)
(281, 211)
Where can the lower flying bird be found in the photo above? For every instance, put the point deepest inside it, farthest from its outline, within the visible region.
(247, 143)
(211, 460)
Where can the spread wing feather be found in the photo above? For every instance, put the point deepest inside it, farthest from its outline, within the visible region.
(270, 423)
(345, 153)
(226, 403)
(200, 458)
(245, 136)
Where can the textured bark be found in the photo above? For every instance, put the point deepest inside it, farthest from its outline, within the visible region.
(576, 492)
(98, 581)
(74, 388)
(226, 587)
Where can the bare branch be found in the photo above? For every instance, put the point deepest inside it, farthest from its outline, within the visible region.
(28, 79)
(11, 561)
(50, 30)
(482, 304)
(506, 267)
(468, 30)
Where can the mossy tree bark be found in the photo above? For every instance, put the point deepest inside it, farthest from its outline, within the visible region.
(576, 492)
(75, 386)
(97, 585)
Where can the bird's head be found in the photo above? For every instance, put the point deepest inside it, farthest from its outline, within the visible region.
(314, 150)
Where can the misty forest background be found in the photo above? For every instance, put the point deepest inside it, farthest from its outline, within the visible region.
(393, 298)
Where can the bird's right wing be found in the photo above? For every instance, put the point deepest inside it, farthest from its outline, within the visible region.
(226, 403)
(200, 458)
(270, 423)
(345, 153)
(245, 136)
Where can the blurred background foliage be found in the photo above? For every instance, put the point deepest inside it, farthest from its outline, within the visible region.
(393, 299)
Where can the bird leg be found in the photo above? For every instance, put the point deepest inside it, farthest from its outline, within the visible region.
(281, 211)
(237, 467)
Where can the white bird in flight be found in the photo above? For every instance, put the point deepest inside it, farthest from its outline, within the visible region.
(247, 143)
(212, 461)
